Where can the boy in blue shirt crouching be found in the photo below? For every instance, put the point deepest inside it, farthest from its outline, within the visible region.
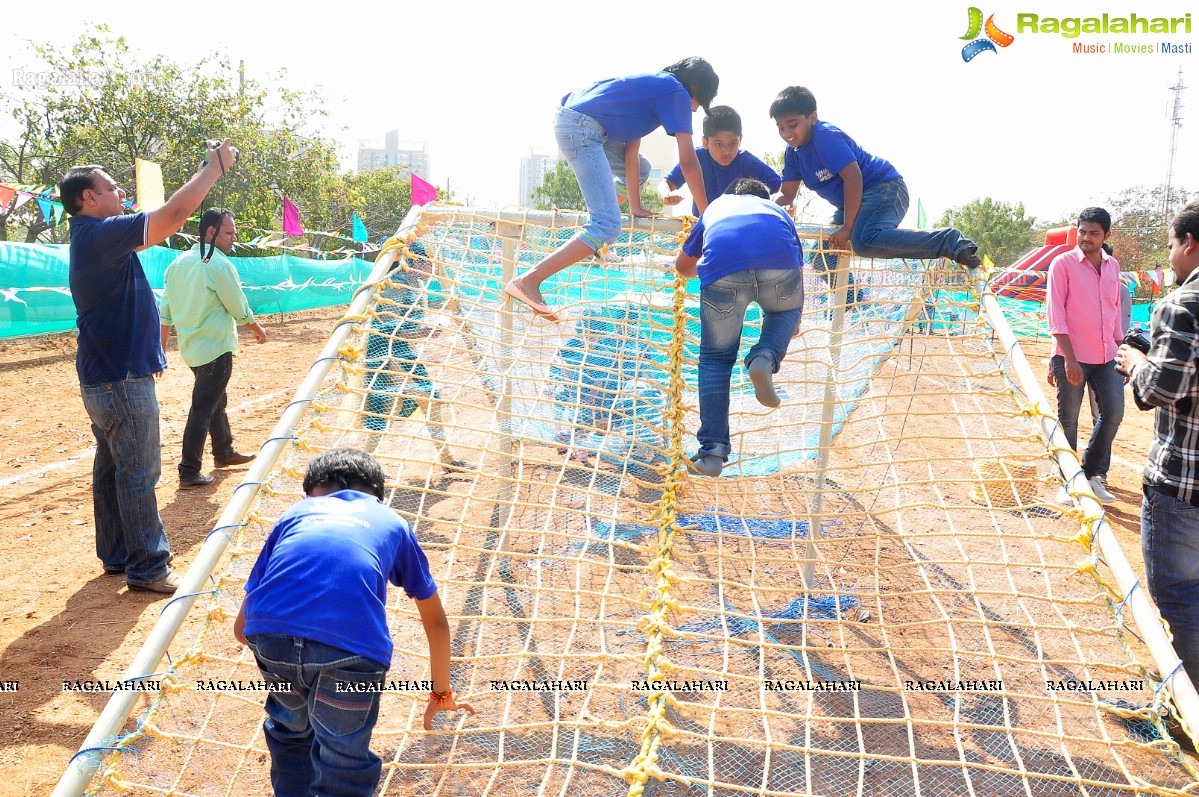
(721, 160)
(315, 617)
(743, 249)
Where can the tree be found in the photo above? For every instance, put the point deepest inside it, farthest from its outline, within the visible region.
(560, 189)
(1139, 225)
(1002, 231)
(109, 109)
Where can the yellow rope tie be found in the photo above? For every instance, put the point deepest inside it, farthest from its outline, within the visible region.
(644, 765)
(351, 352)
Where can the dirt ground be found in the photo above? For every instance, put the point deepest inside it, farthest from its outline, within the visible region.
(63, 619)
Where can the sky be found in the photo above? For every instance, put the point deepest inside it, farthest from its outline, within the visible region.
(1032, 122)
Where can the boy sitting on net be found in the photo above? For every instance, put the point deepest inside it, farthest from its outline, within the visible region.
(743, 249)
(315, 617)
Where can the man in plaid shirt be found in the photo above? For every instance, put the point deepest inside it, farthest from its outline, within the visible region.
(1168, 379)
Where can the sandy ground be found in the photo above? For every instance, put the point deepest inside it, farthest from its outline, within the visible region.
(63, 619)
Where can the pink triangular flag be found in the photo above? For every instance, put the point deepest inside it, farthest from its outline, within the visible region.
(291, 218)
(422, 192)
(22, 198)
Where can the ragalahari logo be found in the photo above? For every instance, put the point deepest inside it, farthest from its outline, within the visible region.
(982, 45)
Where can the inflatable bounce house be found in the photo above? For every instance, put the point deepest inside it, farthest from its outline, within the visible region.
(1021, 286)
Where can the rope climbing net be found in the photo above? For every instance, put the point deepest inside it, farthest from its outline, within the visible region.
(878, 597)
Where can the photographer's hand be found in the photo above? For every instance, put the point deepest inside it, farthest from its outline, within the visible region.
(221, 156)
(1127, 360)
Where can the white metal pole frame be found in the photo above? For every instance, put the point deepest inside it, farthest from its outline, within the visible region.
(83, 764)
(1144, 612)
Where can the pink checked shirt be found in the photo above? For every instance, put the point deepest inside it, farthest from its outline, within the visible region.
(1085, 305)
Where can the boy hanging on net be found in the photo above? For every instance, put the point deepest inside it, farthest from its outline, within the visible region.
(743, 249)
(620, 110)
(869, 195)
(721, 159)
(315, 617)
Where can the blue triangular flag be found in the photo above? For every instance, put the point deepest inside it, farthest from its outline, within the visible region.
(359, 230)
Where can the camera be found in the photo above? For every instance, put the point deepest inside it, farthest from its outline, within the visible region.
(1138, 339)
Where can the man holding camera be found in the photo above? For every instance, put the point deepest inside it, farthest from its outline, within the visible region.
(1168, 378)
(118, 357)
(1083, 305)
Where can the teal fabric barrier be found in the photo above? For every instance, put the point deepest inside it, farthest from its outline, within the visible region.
(35, 299)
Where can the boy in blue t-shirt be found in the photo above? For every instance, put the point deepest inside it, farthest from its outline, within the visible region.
(869, 195)
(743, 249)
(721, 159)
(315, 617)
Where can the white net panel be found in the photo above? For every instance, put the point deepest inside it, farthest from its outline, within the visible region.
(625, 628)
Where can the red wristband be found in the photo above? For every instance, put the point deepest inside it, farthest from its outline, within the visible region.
(440, 697)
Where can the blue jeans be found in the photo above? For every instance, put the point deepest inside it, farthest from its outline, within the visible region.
(779, 292)
(1108, 388)
(614, 152)
(207, 416)
(129, 533)
(319, 735)
(876, 233)
(1170, 545)
(581, 140)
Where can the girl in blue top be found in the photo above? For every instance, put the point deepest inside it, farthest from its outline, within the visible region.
(621, 109)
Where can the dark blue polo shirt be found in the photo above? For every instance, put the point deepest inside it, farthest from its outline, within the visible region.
(117, 314)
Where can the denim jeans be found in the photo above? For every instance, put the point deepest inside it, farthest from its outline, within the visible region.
(779, 292)
(1108, 388)
(876, 233)
(1170, 545)
(207, 415)
(614, 152)
(319, 735)
(129, 533)
(581, 140)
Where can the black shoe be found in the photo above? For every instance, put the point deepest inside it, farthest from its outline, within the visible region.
(232, 458)
(968, 257)
(707, 465)
(199, 480)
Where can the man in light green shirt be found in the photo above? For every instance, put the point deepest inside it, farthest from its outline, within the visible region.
(202, 298)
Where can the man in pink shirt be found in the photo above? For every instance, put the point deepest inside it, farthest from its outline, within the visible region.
(1083, 305)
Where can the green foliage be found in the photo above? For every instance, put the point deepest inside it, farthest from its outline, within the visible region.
(1140, 225)
(560, 189)
(1003, 232)
(110, 108)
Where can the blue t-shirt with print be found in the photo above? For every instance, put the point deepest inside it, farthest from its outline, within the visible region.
(117, 313)
(631, 107)
(739, 232)
(829, 150)
(717, 177)
(323, 574)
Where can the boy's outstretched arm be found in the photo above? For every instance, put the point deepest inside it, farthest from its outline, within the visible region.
(686, 265)
(851, 177)
(666, 192)
(437, 632)
(786, 194)
(694, 176)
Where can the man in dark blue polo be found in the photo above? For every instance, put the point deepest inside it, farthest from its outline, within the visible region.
(120, 355)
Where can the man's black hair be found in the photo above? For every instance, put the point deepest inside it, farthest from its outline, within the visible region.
(1097, 215)
(1186, 221)
(748, 186)
(698, 77)
(212, 219)
(793, 100)
(345, 469)
(72, 185)
(722, 119)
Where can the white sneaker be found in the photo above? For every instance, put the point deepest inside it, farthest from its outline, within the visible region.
(1100, 489)
(1063, 497)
